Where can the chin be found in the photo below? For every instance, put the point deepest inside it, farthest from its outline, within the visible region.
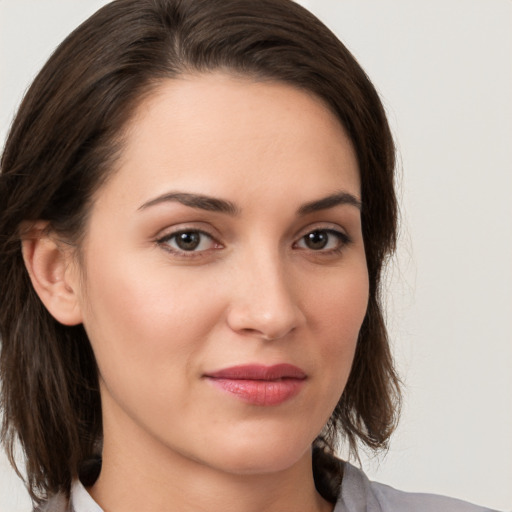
(247, 457)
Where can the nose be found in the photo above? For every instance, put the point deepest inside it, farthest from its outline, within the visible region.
(263, 302)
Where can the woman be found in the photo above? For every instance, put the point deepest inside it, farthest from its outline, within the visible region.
(203, 191)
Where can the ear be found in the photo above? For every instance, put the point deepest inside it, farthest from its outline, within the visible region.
(53, 273)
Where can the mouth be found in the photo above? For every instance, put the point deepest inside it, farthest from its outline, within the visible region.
(258, 384)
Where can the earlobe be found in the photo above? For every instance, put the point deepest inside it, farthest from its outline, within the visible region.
(52, 272)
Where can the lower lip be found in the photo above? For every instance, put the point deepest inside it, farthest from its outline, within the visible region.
(260, 392)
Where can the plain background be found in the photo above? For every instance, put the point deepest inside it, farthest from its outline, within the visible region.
(444, 71)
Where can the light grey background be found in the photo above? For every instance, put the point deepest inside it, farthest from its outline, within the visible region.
(444, 70)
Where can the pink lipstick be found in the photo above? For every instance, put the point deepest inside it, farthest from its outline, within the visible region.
(258, 384)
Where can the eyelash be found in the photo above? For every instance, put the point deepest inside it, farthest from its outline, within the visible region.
(343, 240)
(166, 240)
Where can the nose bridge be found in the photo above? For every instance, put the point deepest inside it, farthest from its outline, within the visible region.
(264, 303)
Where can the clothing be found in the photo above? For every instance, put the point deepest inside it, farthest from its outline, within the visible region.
(357, 494)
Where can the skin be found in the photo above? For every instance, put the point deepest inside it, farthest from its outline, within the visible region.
(253, 291)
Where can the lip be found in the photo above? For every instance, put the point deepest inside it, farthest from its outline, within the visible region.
(259, 384)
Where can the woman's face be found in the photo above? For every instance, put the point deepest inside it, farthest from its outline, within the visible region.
(225, 280)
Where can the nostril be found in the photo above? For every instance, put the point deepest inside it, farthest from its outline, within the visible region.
(267, 329)
(267, 336)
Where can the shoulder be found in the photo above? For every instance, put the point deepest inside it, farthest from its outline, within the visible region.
(358, 494)
(57, 503)
(79, 499)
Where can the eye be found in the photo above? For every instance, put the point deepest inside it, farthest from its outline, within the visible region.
(326, 240)
(188, 241)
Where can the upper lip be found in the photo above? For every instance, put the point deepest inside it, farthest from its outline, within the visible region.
(259, 372)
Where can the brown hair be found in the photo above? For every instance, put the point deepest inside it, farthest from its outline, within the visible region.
(63, 142)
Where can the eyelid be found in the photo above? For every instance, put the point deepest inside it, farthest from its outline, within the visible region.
(166, 235)
(163, 237)
(333, 229)
(322, 226)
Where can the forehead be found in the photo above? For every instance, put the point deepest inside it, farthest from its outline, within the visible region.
(228, 135)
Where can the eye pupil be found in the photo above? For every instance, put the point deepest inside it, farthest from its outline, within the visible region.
(316, 240)
(188, 241)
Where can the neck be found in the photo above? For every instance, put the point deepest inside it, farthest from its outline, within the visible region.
(142, 476)
(129, 484)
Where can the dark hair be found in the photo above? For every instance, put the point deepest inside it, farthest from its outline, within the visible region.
(65, 139)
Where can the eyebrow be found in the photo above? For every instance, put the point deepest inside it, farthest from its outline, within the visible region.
(200, 201)
(339, 198)
(214, 204)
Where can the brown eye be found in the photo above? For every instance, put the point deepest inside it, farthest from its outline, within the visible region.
(316, 240)
(191, 241)
(325, 240)
(188, 241)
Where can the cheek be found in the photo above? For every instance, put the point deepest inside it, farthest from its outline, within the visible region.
(339, 302)
(341, 312)
(138, 317)
(337, 307)
(148, 330)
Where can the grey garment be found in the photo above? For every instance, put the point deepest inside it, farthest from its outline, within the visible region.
(357, 494)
